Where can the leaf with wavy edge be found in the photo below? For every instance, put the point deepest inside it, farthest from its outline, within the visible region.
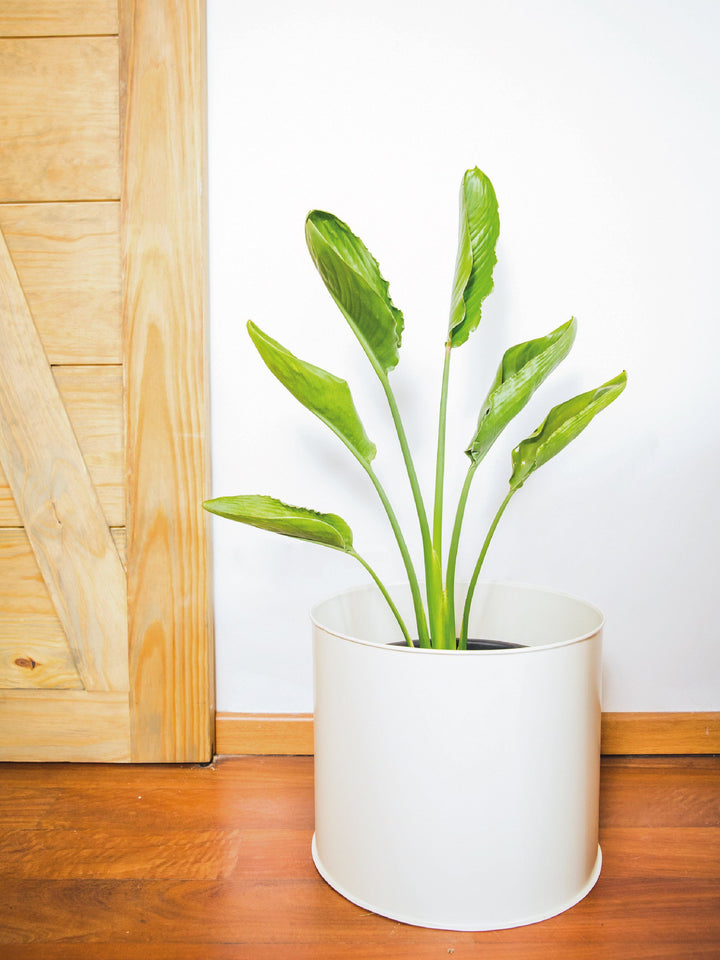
(564, 422)
(523, 368)
(353, 278)
(324, 394)
(479, 231)
(271, 514)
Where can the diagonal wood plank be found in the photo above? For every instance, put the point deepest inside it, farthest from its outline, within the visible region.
(34, 651)
(56, 499)
(93, 399)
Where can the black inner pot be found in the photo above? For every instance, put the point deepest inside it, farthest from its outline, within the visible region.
(474, 644)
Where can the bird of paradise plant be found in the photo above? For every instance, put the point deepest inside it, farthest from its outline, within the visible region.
(353, 279)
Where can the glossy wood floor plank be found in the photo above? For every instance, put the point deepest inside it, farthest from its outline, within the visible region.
(296, 911)
(663, 852)
(452, 949)
(637, 793)
(214, 862)
(112, 854)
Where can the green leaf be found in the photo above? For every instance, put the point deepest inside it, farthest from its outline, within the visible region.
(523, 368)
(479, 230)
(353, 277)
(561, 425)
(326, 395)
(267, 513)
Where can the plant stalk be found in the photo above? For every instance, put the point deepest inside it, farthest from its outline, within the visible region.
(388, 598)
(478, 565)
(423, 635)
(445, 627)
(454, 543)
(431, 567)
(440, 460)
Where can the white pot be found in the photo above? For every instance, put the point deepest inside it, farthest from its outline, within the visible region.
(458, 790)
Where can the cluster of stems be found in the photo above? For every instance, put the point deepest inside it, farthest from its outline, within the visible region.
(437, 628)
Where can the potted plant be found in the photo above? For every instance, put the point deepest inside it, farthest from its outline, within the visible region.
(456, 724)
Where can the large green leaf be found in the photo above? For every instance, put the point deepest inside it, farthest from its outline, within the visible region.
(479, 230)
(267, 513)
(561, 425)
(353, 277)
(523, 368)
(326, 395)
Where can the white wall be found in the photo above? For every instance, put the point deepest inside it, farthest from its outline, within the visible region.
(598, 123)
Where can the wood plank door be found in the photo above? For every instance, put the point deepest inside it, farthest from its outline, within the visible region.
(105, 628)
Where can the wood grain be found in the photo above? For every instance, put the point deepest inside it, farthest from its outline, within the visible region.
(23, 594)
(296, 912)
(30, 661)
(647, 733)
(56, 18)
(622, 733)
(56, 499)
(664, 851)
(286, 913)
(93, 400)
(451, 948)
(165, 311)
(59, 104)
(106, 852)
(70, 725)
(264, 733)
(75, 882)
(111, 851)
(638, 792)
(34, 652)
(67, 256)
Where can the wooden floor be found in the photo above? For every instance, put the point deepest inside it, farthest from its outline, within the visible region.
(214, 863)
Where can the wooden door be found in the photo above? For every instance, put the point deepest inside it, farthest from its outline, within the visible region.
(105, 634)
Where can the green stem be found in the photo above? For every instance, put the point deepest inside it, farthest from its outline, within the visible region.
(407, 560)
(423, 634)
(431, 567)
(478, 565)
(440, 460)
(454, 543)
(388, 598)
(442, 625)
(409, 465)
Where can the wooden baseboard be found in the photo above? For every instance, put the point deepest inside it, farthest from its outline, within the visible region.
(658, 733)
(622, 733)
(264, 733)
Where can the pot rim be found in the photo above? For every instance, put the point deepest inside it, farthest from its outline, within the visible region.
(433, 651)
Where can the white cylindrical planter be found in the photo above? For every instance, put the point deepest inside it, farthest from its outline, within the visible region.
(459, 790)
